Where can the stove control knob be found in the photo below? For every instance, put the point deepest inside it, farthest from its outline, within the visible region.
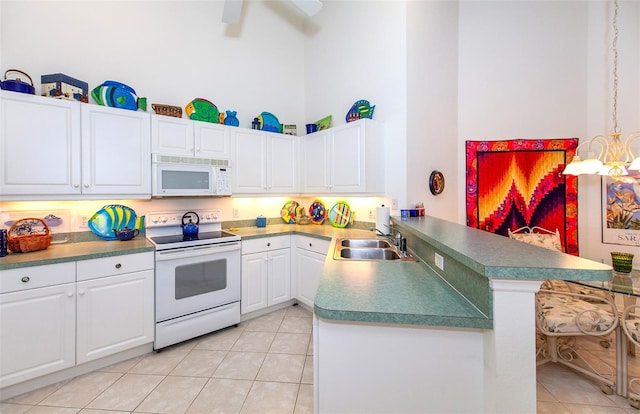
(215, 216)
(164, 219)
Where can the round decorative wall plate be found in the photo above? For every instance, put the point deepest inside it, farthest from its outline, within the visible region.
(436, 182)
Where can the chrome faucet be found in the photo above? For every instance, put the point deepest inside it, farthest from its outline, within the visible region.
(398, 240)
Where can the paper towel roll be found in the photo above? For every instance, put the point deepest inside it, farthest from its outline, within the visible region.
(382, 219)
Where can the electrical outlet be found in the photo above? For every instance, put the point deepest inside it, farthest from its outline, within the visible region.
(394, 204)
(84, 222)
(235, 213)
(372, 215)
(439, 261)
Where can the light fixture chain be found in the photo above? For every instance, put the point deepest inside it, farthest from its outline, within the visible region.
(615, 67)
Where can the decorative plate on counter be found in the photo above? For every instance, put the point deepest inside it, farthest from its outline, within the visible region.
(340, 215)
(290, 210)
(113, 216)
(318, 212)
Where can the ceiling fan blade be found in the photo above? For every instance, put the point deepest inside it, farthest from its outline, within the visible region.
(309, 7)
(231, 12)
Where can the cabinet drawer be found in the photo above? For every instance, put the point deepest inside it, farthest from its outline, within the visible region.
(265, 244)
(313, 244)
(114, 265)
(14, 280)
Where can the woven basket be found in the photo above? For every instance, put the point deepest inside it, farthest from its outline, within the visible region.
(167, 110)
(28, 242)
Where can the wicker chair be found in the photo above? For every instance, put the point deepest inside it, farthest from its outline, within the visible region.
(631, 326)
(562, 315)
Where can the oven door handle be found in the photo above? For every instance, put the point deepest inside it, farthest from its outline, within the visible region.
(196, 251)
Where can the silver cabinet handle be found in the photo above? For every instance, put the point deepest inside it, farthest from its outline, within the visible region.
(25, 279)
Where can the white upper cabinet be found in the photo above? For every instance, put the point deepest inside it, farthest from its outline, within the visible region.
(212, 140)
(187, 138)
(263, 162)
(116, 152)
(172, 136)
(346, 159)
(60, 149)
(40, 145)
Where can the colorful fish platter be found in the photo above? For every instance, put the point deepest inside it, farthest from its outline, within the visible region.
(118, 95)
(269, 122)
(360, 109)
(290, 210)
(109, 217)
(341, 215)
(203, 110)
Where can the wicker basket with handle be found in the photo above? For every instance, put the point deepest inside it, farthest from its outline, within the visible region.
(28, 235)
(167, 110)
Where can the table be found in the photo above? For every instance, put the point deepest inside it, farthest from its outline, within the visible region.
(628, 285)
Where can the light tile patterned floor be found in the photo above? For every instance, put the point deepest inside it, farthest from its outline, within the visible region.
(262, 366)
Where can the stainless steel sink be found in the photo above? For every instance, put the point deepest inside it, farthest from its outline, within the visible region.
(369, 254)
(361, 243)
(368, 249)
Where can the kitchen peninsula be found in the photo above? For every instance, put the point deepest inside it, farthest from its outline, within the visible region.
(418, 337)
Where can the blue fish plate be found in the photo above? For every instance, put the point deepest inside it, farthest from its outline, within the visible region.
(109, 217)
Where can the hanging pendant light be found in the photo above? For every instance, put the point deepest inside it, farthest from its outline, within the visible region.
(615, 156)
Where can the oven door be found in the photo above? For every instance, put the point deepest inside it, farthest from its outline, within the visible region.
(193, 279)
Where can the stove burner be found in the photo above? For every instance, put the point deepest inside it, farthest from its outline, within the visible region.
(178, 238)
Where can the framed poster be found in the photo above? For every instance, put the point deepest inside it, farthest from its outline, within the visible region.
(621, 209)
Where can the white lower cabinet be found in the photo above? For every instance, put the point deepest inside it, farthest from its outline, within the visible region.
(38, 320)
(58, 316)
(309, 262)
(115, 312)
(266, 272)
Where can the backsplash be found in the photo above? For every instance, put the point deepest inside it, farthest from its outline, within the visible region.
(74, 214)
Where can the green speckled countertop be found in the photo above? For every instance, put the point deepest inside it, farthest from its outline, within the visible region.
(392, 292)
(69, 252)
(377, 291)
(388, 292)
(499, 257)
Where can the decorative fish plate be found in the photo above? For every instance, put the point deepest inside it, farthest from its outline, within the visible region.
(109, 217)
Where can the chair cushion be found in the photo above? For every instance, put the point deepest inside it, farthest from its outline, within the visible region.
(633, 328)
(548, 241)
(558, 313)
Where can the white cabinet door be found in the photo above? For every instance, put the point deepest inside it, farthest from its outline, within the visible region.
(282, 165)
(114, 314)
(346, 159)
(255, 270)
(311, 254)
(38, 332)
(279, 284)
(314, 163)
(39, 145)
(116, 152)
(212, 141)
(172, 136)
(248, 161)
(264, 162)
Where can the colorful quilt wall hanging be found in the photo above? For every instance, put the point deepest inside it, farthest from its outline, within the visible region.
(516, 183)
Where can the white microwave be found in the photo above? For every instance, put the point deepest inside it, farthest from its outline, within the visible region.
(187, 177)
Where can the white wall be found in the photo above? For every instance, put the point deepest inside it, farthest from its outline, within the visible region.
(532, 69)
(169, 51)
(432, 108)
